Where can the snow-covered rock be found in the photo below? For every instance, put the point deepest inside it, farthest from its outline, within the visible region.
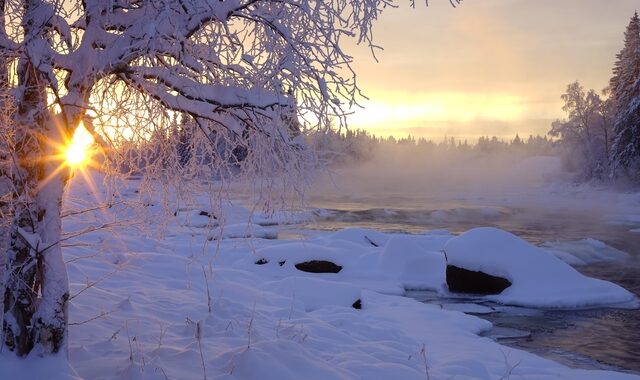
(538, 278)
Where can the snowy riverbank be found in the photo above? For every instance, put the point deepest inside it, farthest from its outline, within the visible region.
(198, 303)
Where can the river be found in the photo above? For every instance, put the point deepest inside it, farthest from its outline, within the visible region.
(600, 338)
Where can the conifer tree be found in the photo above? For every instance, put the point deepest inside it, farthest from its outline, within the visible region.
(625, 92)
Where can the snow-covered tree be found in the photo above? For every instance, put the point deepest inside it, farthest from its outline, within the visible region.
(129, 69)
(625, 92)
(584, 133)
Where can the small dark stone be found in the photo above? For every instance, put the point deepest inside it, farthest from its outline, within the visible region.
(204, 213)
(460, 280)
(357, 304)
(281, 263)
(262, 261)
(318, 266)
(373, 243)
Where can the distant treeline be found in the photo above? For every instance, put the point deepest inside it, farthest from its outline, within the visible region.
(349, 146)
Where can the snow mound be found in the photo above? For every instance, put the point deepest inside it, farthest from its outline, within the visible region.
(307, 290)
(362, 236)
(200, 214)
(585, 251)
(54, 367)
(539, 279)
(566, 257)
(409, 259)
(280, 359)
(243, 230)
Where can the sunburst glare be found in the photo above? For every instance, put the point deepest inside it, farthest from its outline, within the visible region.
(77, 152)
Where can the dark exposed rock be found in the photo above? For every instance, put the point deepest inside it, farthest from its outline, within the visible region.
(262, 261)
(462, 280)
(281, 263)
(207, 214)
(318, 266)
(357, 304)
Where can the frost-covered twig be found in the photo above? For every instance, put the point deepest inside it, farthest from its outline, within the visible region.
(89, 209)
(101, 315)
(509, 368)
(423, 356)
(250, 325)
(91, 284)
(199, 339)
(206, 280)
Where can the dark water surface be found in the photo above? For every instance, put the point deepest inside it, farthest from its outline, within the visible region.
(601, 338)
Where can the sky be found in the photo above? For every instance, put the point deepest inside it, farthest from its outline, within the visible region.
(487, 67)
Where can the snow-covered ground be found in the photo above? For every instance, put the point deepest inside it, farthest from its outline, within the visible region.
(202, 302)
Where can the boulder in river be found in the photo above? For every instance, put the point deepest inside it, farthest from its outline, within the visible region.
(460, 280)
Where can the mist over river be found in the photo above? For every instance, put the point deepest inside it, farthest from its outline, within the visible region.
(562, 216)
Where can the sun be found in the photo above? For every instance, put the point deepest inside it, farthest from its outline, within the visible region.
(77, 152)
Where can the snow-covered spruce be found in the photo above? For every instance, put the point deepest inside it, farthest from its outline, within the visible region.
(625, 91)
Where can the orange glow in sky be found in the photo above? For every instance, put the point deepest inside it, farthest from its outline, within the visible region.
(380, 114)
(490, 67)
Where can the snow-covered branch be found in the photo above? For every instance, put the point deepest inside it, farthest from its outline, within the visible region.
(173, 89)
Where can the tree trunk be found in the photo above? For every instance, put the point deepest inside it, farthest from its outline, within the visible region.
(5, 161)
(34, 284)
(35, 280)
